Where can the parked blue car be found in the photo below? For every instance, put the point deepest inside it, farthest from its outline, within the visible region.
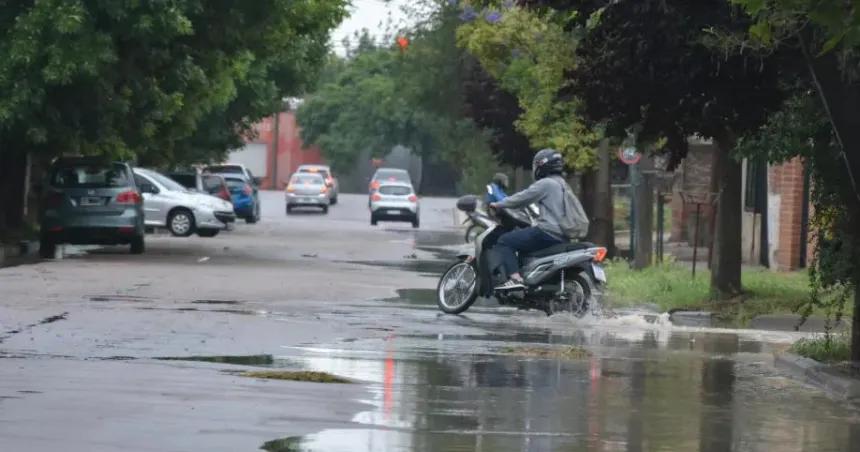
(242, 195)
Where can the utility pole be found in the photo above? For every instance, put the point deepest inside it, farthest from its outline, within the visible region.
(276, 141)
(643, 194)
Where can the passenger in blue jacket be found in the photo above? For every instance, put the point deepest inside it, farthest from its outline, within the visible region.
(496, 189)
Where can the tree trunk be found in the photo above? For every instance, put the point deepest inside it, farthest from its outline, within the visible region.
(643, 222)
(13, 166)
(855, 324)
(600, 213)
(726, 256)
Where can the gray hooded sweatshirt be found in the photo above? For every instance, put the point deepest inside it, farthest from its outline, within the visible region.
(548, 194)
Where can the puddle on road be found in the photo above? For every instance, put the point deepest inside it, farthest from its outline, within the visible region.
(423, 267)
(414, 296)
(230, 302)
(641, 389)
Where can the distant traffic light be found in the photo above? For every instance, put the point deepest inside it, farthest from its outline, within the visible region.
(402, 42)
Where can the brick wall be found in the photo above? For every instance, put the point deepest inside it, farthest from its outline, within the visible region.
(786, 183)
(695, 177)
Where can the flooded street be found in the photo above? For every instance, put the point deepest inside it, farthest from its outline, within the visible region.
(97, 356)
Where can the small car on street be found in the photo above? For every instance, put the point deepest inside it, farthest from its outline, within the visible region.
(242, 196)
(88, 200)
(168, 204)
(325, 172)
(383, 175)
(250, 212)
(394, 201)
(307, 190)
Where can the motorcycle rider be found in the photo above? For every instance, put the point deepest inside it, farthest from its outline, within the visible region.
(496, 188)
(547, 192)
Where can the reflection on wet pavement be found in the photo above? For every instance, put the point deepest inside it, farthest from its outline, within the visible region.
(643, 390)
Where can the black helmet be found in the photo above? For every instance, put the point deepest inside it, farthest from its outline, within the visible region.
(501, 179)
(547, 162)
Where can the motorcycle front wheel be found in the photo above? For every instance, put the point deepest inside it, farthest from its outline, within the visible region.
(458, 288)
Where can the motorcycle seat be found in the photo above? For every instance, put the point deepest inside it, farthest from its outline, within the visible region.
(560, 248)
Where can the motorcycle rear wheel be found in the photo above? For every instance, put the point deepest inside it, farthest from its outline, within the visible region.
(458, 288)
(576, 298)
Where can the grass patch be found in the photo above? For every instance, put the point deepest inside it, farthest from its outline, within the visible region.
(571, 352)
(295, 375)
(291, 444)
(828, 348)
(671, 287)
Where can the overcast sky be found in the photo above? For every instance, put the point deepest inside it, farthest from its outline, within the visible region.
(367, 14)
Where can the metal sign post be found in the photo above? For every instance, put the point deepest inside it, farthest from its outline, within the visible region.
(699, 199)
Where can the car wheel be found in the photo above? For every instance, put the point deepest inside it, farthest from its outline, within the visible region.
(208, 232)
(47, 247)
(181, 223)
(334, 200)
(289, 210)
(137, 245)
(373, 220)
(324, 209)
(415, 223)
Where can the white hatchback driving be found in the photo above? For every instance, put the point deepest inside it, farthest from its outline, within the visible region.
(394, 201)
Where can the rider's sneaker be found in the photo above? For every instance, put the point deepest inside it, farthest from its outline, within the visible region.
(511, 285)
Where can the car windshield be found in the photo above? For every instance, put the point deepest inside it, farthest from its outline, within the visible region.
(392, 175)
(233, 182)
(86, 175)
(396, 190)
(165, 181)
(187, 180)
(230, 169)
(211, 183)
(322, 172)
(311, 179)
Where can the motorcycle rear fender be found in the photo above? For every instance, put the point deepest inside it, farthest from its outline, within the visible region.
(541, 269)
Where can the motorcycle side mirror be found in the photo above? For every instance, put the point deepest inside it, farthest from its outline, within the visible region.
(467, 203)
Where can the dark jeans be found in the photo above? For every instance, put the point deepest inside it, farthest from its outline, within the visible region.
(522, 241)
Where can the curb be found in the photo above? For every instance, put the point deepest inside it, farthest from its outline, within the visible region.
(819, 375)
(24, 249)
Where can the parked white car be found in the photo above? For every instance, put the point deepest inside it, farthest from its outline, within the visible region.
(394, 201)
(167, 204)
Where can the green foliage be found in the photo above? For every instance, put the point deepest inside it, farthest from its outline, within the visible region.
(151, 80)
(530, 53)
(670, 286)
(827, 348)
(800, 129)
(780, 20)
(381, 96)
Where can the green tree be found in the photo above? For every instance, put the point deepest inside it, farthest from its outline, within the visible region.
(381, 96)
(651, 68)
(135, 79)
(529, 52)
(825, 37)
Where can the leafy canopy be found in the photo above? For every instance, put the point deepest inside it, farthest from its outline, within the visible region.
(529, 53)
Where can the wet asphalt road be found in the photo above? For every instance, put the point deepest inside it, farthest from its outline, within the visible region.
(79, 340)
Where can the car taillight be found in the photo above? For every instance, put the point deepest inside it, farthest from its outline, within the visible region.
(128, 197)
(413, 198)
(290, 188)
(247, 190)
(224, 194)
(376, 197)
(54, 200)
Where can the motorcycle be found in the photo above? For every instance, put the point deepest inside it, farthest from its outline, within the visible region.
(563, 278)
